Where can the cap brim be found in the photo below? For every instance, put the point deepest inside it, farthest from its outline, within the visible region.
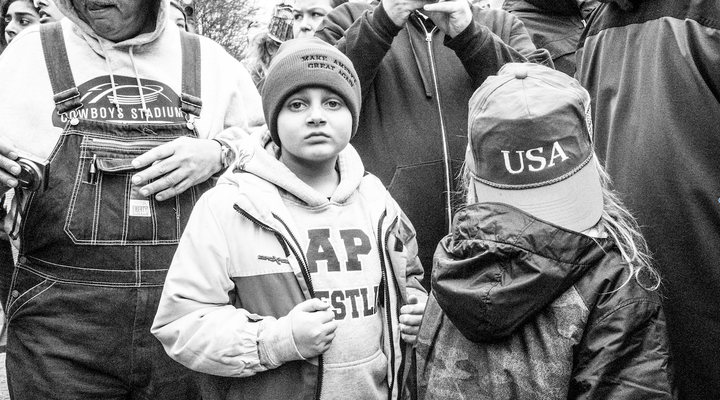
(575, 203)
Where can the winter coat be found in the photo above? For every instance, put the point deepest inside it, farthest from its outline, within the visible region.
(653, 74)
(416, 83)
(240, 267)
(521, 309)
(554, 25)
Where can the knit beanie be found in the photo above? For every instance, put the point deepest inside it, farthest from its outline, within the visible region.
(304, 62)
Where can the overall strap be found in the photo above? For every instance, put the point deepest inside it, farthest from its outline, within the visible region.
(191, 103)
(65, 94)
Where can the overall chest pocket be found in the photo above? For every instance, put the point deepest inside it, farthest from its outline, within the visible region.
(106, 209)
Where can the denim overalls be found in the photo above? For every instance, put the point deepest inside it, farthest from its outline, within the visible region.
(94, 255)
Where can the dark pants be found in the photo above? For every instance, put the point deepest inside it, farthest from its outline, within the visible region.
(98, 349)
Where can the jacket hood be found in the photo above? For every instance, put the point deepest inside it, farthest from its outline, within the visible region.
(98, 43)
(259, 162)
(500, 266)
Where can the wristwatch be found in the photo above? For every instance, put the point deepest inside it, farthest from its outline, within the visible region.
(227, 155)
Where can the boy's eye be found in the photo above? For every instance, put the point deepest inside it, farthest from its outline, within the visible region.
(297, 16)
(318, 15)
(334, 104)
(296, 105)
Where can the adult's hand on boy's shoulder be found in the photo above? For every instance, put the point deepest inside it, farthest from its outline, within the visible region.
(411, 315)
(313, 327)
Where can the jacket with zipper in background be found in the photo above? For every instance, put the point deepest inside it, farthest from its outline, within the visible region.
(416, 83)
(241, 268)
(522, 309)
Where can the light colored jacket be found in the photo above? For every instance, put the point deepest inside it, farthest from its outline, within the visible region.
(239, 270)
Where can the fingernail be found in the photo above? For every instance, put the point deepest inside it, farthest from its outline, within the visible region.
(135, 164)
(12, 155)
(136, 179)
(15, 169)
(145, 192)
(160, 197)
(12, 182)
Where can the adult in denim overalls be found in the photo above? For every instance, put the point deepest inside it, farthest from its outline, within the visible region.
(95, 247)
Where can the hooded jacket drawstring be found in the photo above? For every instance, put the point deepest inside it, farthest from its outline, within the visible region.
(115, 100)
(112, 76)
(140, 88)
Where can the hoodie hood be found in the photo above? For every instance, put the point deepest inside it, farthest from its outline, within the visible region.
(254, 162)
(503, 266)
(98, 43)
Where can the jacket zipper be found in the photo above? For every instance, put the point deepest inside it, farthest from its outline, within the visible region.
(446, 147)
(300, 257)
(386, 287)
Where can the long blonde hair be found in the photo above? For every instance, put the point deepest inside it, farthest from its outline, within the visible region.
(616, 221)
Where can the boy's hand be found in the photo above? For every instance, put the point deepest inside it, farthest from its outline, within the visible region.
(410, 318)
(313, 327)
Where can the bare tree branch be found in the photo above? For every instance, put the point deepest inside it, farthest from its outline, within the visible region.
(226, 22)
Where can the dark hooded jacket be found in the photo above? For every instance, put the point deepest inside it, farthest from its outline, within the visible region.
(555, 25)
(521, 309)
(416, 83)
(653, 74)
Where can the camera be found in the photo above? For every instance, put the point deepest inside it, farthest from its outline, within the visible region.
(34, 172)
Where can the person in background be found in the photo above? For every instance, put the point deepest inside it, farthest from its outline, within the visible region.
(555, 25)
(419, 63)
(120, 121)
(264, 44)
(177, 15)
(652, 68)
(544, 288)
(18, 15)
(308, 14)
(48, 11)
(315, 300)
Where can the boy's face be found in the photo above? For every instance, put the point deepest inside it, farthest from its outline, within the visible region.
(314, 125)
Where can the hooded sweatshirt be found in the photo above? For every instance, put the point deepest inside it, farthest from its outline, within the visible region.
(104, 70)
(522, 309)
(263, 241)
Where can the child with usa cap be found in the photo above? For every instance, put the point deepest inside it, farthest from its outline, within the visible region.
(297, 276)
(543, 289)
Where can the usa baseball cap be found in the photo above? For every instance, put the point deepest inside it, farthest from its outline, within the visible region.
(530, 146)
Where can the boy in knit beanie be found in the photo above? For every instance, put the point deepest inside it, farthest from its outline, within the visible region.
(297, 276)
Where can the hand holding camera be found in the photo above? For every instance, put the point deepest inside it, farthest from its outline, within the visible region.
(22, 169)
(450, 16)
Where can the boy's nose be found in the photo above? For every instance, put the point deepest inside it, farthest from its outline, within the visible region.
(316, 117)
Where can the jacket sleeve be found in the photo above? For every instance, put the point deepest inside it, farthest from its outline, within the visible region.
(624, 354)
(483, 53)
(196, 322)
(405, 233)
(365, 38)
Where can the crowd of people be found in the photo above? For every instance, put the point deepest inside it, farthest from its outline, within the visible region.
(395, 199)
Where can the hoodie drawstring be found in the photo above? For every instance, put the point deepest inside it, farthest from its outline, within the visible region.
(112, 77)
(146, 111)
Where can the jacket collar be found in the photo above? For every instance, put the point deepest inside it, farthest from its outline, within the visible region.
(505, 266)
